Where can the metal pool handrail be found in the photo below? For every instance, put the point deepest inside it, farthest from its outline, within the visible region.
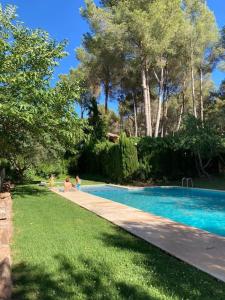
(187, 180)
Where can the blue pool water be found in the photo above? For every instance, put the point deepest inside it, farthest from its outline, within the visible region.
(200, 208)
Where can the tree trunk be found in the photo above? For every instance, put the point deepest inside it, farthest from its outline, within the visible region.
(160, 101)
(180, 117)
(201, 96)
(146, 101)
(193, 86)
(204, 172)
(182, 109)
(149, 106)
(166, 116)
(106, 96)
(163, 119)
(121, 123)
(135, 118)
(2, 177)
(81, 111)
(197, 167)
(183, 96)
(165, 105)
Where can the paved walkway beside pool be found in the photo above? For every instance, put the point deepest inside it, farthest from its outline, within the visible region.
(199, 248)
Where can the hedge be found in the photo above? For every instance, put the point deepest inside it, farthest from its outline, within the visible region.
(142, 159)
(117, 162)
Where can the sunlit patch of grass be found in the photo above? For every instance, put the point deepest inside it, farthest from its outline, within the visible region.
(63, 252)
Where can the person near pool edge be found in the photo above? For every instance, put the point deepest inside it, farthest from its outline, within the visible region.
(78, 182)
(67, 185)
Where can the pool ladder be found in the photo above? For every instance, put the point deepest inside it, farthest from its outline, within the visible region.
(187, 182)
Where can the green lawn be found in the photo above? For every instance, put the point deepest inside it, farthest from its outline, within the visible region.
(213, 183)
(217, 182)
(61, 178)
(84, 182)
(63, 252)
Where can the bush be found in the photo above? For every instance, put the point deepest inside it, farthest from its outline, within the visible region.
(117, 162)
(166, 158)
(29, 175)
(162, 157)
(46, 169)
(144, 171)
(93, 158)
(129, 158)
(71, 165)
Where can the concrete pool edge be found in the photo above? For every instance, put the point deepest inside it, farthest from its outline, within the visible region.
(151, 186)
(196, 247)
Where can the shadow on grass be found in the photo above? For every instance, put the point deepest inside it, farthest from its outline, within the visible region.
(170, 274)
(30, 190)
(89, 279)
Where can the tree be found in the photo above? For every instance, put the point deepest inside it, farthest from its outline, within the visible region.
(101, 121)
(221, 93)
(102, 60)
(97, 121)
(111, 119)
(165, 49)
(33, 115)
(204, 142)
(137, 38)
(130, 98)
(169, 16)
(202, 36)
(76, 81)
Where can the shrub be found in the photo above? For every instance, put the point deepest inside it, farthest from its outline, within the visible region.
(129, 158)
(71, 164)
(166, 158)
(117, 162)
(93, 158)
(44, 170)
(144, 170)
(162, 157)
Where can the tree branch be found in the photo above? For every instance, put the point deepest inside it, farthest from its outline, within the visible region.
(156, 76)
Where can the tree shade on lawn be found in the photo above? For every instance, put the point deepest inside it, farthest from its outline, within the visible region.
(61, 251)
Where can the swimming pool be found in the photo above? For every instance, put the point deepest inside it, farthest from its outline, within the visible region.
(204, 209)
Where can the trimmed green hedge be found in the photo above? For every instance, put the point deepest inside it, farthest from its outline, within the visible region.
(117, 162)
(161, 157)
(141, 159)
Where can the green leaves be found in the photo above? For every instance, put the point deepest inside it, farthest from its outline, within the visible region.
(197, 138)
(33, 116)
(177, 39)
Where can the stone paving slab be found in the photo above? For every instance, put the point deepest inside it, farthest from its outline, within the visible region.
(199, 248)
(5, 253)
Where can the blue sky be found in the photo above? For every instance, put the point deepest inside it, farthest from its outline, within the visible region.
(63, 21)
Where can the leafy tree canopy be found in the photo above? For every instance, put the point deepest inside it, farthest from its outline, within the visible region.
(33, 114)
